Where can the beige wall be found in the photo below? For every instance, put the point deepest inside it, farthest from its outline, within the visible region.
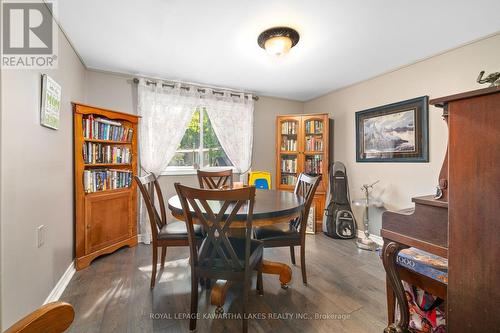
(111, 91)
(446, 74)
(117, 92)
(36, 185)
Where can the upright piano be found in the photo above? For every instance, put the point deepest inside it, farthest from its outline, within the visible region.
(462, 223)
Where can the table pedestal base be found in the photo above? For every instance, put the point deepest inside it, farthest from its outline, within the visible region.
(278, 268)
(218, 295)
(220, 287)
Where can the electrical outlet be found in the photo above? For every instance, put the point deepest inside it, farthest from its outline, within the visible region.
(40, 235)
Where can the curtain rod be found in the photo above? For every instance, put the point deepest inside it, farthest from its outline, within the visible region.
(202, 90)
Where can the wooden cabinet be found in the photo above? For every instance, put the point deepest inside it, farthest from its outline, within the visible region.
(105, 195)
(302, 145)
(107, 219)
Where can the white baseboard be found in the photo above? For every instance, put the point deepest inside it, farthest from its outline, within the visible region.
(375, 238)
(61, 284)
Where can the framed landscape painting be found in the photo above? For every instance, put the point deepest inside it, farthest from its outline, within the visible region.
(397, 132)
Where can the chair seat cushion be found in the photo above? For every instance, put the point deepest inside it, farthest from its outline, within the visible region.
(238, 244)
(178, 230)
(277, 232)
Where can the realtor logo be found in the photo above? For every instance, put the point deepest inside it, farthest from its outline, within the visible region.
(29, 35)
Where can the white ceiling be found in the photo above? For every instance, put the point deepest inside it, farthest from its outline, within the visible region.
(215, 42)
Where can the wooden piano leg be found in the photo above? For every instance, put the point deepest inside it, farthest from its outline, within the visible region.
(389, 255)
(391, 301)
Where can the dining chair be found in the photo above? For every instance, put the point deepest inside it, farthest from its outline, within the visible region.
(220, 255)
(163, 234)
(215, 179)
(54, 317)
(294, 234)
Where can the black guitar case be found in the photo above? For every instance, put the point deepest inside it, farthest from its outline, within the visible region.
(338, 221)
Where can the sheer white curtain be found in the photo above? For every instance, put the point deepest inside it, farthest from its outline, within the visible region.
(165, 113)
(232, 120)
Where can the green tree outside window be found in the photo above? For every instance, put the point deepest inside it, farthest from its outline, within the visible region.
(190, 153)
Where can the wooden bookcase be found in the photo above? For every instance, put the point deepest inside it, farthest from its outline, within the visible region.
(106, 219)
(302, 145)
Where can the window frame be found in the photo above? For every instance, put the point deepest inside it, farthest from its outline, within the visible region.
(190, 170)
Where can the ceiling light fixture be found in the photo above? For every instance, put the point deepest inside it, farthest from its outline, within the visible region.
(278, 41)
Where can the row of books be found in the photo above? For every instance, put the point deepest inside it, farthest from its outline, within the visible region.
(288, 144)
(289, 127)
(313, 164)
(97, 180)
(314, 143)
(102, 153)
(288, 179)
(289, 165)
(105, 129)
(314, 127)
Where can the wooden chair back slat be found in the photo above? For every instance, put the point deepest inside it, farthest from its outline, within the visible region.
(196, 204)
(306, 187)
(149, 186)
(215, 179)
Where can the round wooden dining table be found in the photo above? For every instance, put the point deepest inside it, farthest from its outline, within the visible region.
(270, 207)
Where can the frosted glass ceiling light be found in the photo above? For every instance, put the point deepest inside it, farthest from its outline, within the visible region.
(278, 41)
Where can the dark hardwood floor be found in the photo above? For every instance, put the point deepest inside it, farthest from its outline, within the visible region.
(345, 284)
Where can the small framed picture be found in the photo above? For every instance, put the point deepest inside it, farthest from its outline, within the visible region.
(51, 103)
(397, 132)
(311, 221)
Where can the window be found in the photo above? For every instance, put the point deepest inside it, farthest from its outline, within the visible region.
(199, 146)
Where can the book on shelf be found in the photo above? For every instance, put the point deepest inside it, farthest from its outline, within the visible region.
(288, 144)
(289, 165)
(104, 153)
(314, 127)
(289, 127)
(99, 128)
(288, 179)
(107, 121)
(313, 165)
(314, 143)
(97, 180)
